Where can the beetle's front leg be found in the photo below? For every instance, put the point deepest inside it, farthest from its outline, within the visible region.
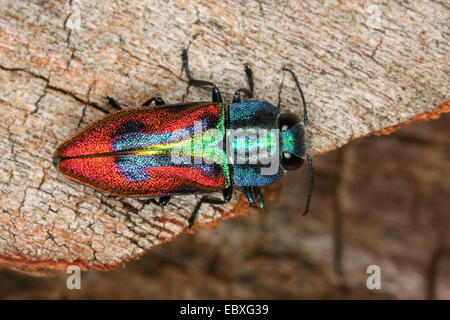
(254, 196)
(248, 92)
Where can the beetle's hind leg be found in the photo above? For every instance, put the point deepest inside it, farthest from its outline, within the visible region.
(157, 100)
(216, 96)
(227, 194)
(248, 91)
(162, 201)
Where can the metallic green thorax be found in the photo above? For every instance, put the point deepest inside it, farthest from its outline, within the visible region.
(253, 126)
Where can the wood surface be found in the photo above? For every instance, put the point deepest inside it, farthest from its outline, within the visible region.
(365, 67)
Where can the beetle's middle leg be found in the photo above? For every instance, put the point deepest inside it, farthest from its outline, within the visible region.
(216, 96)
(227, 194)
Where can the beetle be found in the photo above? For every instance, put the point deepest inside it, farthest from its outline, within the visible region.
(147, 152)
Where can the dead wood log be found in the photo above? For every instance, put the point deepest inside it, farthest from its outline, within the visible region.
(364, 67)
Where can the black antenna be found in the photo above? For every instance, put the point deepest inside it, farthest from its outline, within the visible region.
(311, 184)
(305, 112)
(305, 121)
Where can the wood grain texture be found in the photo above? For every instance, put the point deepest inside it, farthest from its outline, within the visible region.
(363, 67)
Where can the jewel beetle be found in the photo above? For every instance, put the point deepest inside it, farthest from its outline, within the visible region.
(157, 150)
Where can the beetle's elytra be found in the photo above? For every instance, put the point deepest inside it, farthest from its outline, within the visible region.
(160, 150)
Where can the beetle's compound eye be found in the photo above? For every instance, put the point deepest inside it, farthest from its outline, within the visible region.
(287, 120)
(290, 161)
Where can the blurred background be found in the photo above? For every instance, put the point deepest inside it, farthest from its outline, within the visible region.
(378, 201)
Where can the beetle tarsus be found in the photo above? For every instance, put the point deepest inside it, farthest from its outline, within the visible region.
(248, 92)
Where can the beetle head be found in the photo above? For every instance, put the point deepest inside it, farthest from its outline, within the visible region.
(292, 141)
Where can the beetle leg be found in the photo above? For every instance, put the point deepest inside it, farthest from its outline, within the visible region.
(162, 201)
(216, 96)
(237, 96)
(113, 103)
(259, 196)
(249, 195)
(157, 100)
(254, 196)
(227, 194)
(248, 92)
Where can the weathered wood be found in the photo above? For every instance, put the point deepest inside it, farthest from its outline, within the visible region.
(363, 67)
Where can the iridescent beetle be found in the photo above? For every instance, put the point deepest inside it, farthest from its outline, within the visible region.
(130, 152)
